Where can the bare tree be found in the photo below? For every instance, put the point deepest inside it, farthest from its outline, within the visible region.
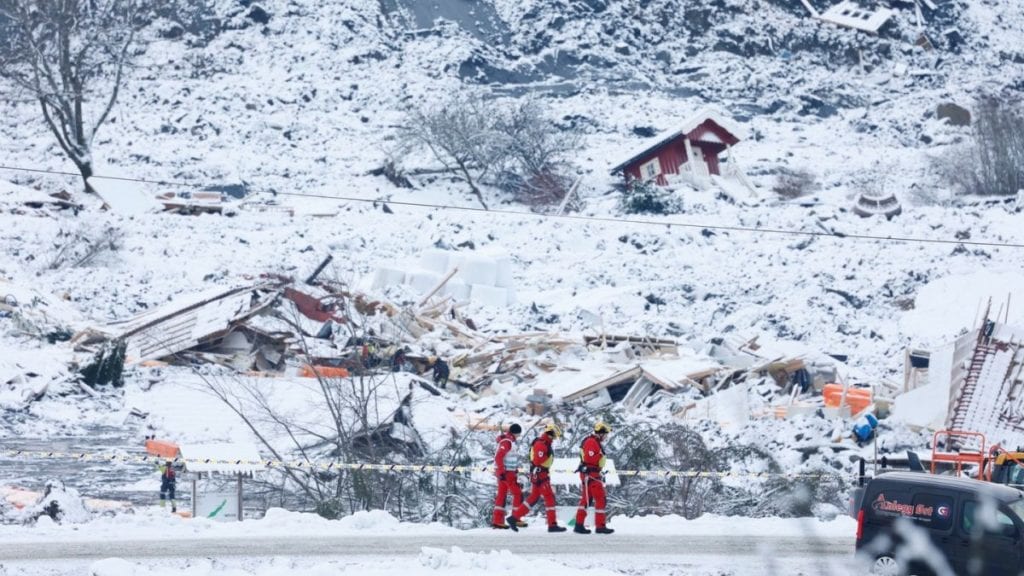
(462, 136)
(70, 56)
(535, 143)
(516, 147)
(992, 164)
(998, 152)
(538, 152)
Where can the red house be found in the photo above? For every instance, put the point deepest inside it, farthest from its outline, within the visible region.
(693, 149)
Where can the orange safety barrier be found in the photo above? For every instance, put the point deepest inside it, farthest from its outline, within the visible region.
(856, 398)
(307, 371)
(162, 448)
(959, 447)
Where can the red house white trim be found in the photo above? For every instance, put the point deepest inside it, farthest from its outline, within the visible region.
(693, 149)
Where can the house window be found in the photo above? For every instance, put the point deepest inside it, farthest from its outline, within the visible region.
(650, 170)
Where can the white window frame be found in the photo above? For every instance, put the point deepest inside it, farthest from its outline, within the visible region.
(650, 170)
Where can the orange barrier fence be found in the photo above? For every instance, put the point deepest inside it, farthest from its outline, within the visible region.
(161, 448)
(856, 398)
(310, 371)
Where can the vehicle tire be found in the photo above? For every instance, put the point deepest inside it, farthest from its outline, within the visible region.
(886, 566)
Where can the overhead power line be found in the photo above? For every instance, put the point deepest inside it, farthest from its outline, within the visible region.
(573, 217)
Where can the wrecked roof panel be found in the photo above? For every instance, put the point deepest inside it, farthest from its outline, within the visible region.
(185, 322)
(673, 374)
(852, 15)
(568, 385)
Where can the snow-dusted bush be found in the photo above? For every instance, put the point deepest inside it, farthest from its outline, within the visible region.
(107, 366)
(59, 503)
(794, 183)
(515, 146)
(649, 198)
(85, 245)
(539, 192)
(998, 151)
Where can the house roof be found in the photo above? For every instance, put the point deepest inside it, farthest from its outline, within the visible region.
(186, 321)
(691, 124)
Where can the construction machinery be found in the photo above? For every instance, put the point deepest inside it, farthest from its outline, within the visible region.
(968, 453)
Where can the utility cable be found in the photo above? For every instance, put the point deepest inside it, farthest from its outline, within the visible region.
(571, 217)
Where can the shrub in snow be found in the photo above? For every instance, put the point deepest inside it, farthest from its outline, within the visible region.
(58, 503)
(86, 245)
(794, 183)
(107, 367)
(516, 147)
(540, 192)
(649, 198)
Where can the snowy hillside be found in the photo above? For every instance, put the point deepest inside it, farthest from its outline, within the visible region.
(299, 101)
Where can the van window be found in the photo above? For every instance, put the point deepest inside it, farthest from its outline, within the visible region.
(979, 517)
(1017, 508)
(933, 511)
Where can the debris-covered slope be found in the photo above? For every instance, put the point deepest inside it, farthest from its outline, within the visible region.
(297, 101)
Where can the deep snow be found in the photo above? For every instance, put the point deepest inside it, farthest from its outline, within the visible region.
(308, 105)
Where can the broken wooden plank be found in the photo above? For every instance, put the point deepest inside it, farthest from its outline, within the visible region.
(568, 196)
(439, 285)
(644, 340)
(811, 9)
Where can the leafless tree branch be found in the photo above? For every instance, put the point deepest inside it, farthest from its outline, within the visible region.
(68, 54)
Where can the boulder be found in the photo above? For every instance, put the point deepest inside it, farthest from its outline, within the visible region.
(954, 114)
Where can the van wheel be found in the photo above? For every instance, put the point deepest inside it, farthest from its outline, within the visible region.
(886, 566)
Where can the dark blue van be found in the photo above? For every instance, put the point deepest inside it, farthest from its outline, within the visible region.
(918, 523)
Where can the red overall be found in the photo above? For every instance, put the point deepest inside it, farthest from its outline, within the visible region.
(592, 462)
(541, 458)
(506, 463)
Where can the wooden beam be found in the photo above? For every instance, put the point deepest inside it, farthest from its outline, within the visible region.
(568, 195)
(810, 8)
(440, 285)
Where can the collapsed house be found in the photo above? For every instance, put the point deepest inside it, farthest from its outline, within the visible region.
(276, 327)
(974, 383)
(986, 392)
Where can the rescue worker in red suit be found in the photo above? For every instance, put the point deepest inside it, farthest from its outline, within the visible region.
(541, 458)
(591, 475)
(506, 466)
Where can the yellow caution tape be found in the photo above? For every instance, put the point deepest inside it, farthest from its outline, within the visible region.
(334, 465)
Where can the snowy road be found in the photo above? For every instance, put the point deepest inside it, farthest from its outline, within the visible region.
(524, 543)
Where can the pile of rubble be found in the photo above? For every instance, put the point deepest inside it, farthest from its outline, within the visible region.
(275, 326)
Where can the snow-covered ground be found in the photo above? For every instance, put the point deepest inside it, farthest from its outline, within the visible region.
(297, 122)
(375, 543)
